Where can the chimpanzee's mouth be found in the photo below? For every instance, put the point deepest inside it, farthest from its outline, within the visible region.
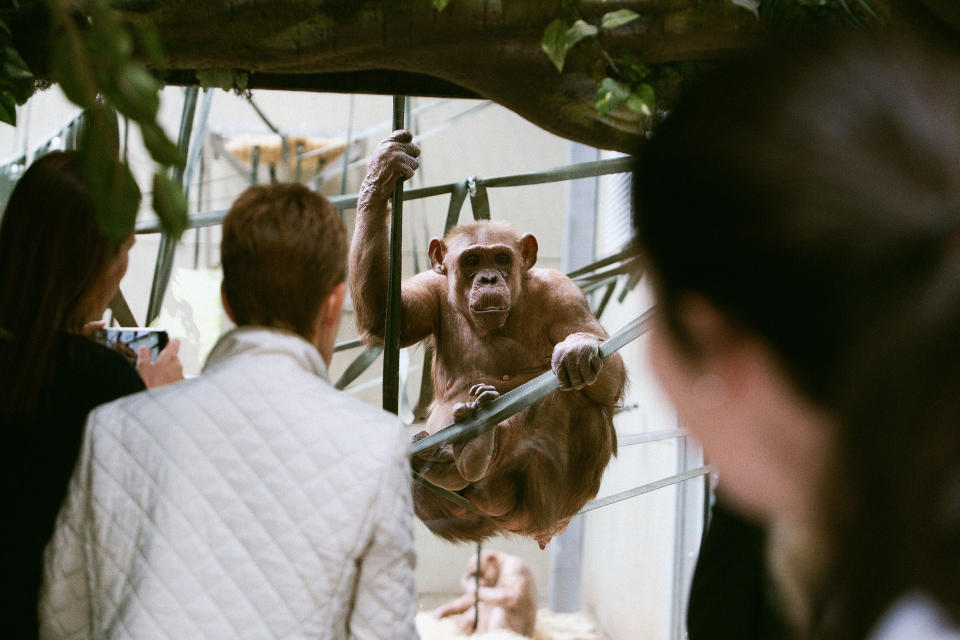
(491, 310)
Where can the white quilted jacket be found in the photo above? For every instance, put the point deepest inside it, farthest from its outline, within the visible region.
(253, 501)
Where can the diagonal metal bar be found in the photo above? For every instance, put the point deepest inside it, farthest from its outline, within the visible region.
(557, 174)
(360, 364)
(646, 488)
(457, 197)
(199, 135)
(602, 306)
(479, 201)
(523, 396)
(570, 172)
(121, 310)
(626, 254)
(349, 344)
(651, 436)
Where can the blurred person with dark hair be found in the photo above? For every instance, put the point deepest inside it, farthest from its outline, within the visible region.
(58, 273)
(800, 215)
(254, 500)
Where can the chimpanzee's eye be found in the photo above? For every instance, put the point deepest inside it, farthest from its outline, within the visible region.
(471, 260)
(503, 258)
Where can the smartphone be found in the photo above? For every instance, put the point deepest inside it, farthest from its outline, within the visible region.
(128, 340)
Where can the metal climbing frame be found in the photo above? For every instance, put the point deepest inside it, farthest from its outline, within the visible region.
(603, 276)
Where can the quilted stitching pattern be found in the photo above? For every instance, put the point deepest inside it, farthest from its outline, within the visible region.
(253, 501)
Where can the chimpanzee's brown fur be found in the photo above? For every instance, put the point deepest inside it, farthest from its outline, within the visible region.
(496, 322)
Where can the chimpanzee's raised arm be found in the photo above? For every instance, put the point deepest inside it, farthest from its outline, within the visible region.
(394, 157)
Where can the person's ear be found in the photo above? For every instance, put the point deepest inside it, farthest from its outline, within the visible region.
(333, 305)
(528, 250)
(223, 300)
(437, 251)
(720, 352)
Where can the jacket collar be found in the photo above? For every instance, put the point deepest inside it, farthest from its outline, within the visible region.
(267, 341)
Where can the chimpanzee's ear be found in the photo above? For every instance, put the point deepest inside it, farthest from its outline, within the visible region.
(437, 251)
(528, 250)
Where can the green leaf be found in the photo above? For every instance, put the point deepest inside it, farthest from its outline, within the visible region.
(553, 42)
(642, 99)
(74, 80)
(136, 95)
(634, 71)
(8, 108)
(13, 64)
(558, 39)
(161, 148)
(116, 195)
(615, 19)
(149, 39)
(170, 203)
(440, 5)
(611, 95)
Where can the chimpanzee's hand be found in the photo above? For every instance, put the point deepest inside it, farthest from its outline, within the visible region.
(395, 157)
(482, 394)
(576, 361)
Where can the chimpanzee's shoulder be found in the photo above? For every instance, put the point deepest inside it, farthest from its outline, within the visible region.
(547, 278)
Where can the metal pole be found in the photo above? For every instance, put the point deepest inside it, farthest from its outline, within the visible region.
(391, 346)
(476, 595)
(165, 254)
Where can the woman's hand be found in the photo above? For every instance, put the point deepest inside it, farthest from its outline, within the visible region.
(165, 370)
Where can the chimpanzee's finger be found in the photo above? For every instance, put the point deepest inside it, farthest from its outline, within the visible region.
(462, 409)
(596, 363)
(477, 388)
(487, 396)
(573, 373)
(586, 371)
(400, 135)
(408, 166)
(408, 148)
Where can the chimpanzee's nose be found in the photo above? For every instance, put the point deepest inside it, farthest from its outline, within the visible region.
(487, 278)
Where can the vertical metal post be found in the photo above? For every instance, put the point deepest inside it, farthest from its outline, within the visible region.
(566, 559)
(346, 148)
(196, 234)
(168, 246)
(391, 346)
(476, 596)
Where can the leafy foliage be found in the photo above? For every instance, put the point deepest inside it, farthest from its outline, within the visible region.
(560, 36)
(623, 86)
(623, 80)
(92, 59)
(15, 80)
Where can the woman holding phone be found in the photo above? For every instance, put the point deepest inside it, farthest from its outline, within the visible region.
(58, 273)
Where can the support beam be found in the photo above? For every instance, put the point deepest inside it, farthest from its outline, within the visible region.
(391, 343)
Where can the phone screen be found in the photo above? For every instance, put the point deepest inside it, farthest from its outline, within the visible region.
(128, 340)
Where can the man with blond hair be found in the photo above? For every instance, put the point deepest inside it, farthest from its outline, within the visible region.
(254, 500)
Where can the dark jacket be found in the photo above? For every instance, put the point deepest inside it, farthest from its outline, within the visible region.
(731, 596)
(37, 459)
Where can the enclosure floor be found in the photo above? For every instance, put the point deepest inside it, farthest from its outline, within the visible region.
(550, 626)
